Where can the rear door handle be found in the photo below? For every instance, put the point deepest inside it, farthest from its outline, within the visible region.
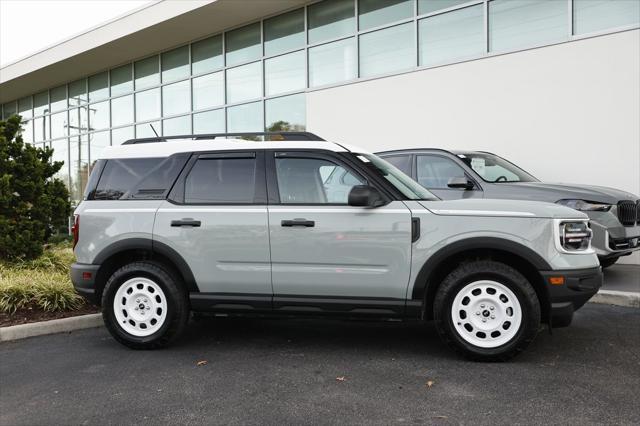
(186, 222)
(299, 222)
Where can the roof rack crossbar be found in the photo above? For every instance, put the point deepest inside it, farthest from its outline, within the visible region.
(281, 136)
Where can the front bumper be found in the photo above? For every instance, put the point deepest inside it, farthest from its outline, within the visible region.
(611, 239)
(83, 277)
(578, 287)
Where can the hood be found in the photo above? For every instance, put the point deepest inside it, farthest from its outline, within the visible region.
(501, 208)
(552, 192)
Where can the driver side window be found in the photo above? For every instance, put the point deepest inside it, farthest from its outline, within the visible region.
(314, 181)
(434, 171)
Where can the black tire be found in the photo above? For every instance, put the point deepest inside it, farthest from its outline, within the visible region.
(606, 262)
(470, 272)
(177, 313)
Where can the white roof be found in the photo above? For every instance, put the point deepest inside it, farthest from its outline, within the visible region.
(165, 149)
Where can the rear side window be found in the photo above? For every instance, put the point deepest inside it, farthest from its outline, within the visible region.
(402, 162)
(138, 178)
(217, 180)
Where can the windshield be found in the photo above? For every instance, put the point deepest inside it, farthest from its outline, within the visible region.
(492, 168)
(403, 183)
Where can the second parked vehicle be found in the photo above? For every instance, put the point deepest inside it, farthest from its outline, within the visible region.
(299, 226)
(614, 214)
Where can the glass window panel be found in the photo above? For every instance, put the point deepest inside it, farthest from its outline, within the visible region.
(176, 98)
(521, 23)
(597, 15)
(99, 115)
(59, 124)
(387, 50)
(245, 118)
(40, 103)
(41, 129)
(98, 87)
(146, 131)
(402, 162)
(452, 35)
(285, 73)
(330, 19)
(244, 83)
(434, 171)
(227, 180)
(79, 164)
(121, 80)
(119, 136)
(148, 105)
(428, 6)
(286, 113)
(175, 64)
(209, 122)
(208, 91)
(61, 153)
(206, 55)
(78, 120)
(25, 107)
(98, 141)
(177, 126)
(332, 63)
(146, 72)
(78, 93)
(27, 131)
(373, 13)
(284, 32)
(58, 98)
(122, 110)
(8, 109)
(243, 44)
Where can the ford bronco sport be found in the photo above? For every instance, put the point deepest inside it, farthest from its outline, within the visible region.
(243, 227)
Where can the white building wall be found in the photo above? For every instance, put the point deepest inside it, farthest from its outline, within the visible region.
(565, 113)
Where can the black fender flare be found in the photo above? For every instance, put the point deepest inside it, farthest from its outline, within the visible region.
(155, 247)
(421, 283)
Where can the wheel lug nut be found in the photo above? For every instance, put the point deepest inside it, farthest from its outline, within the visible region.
(482, 306)
(493, 317)
(491, 307)
(478, 313)
(484, 320)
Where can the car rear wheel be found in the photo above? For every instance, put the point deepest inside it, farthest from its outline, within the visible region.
(144, 306)
(487, 310)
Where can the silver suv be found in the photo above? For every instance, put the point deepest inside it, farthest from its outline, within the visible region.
(294, 225)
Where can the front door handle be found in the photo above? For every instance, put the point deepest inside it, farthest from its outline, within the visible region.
(186, 222)
(299, 222)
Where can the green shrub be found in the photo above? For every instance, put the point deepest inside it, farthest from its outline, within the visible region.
(33, 204)
(42, 283)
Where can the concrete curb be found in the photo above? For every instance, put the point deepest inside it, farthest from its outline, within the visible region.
(619, 298)
(62, 325)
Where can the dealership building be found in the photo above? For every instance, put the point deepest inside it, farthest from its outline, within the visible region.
(552, 85)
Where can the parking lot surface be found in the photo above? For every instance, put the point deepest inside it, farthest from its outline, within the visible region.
(324, 372)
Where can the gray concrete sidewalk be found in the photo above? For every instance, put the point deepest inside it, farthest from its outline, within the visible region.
(622, 278)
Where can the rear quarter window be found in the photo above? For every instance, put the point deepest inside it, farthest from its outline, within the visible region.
(137, 178)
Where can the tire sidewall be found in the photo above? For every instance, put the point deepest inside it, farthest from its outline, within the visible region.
(529, 307)
(162, 279)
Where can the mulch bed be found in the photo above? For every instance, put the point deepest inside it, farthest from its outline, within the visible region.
(28, 315)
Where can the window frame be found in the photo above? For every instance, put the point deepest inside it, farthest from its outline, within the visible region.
(177, 194)
(456, 161)
(272, 173)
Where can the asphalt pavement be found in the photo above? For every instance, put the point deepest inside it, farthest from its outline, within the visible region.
(256, 371)
(622, 277)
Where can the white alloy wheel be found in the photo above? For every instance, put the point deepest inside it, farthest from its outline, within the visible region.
(140, 307)
(486, 314)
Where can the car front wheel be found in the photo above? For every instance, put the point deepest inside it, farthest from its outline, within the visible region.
(144, 306)
(487, 311)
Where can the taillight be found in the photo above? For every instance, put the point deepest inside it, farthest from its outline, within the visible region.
(75, 229)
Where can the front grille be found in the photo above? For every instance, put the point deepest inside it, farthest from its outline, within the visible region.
(628, 212)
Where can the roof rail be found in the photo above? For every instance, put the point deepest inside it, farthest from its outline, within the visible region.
(273, 136)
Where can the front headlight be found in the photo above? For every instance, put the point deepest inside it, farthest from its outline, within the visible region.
(574, 236)
(585, 206)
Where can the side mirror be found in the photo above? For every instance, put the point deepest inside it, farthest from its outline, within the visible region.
(460, 183)
(365, 196)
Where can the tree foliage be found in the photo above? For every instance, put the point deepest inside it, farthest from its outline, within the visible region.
(33, 204)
